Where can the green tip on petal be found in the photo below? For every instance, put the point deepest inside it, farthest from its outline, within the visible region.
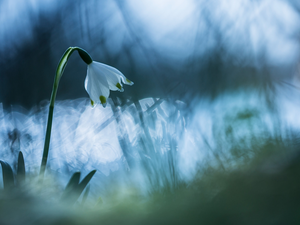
(118, 85)
(129, 81)
(92, 103)
(102, 100)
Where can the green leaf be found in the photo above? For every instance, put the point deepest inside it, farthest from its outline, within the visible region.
(85, 181)
(7, 173)
(21, 169)
(74, 188)
(82, 185)
(71, 188)
(85, 194)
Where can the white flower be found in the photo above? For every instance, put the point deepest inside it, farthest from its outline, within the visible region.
(100, 79)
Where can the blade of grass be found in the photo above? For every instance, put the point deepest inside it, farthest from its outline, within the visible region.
(74, 188)
(71, 187)
(81, 186)
(21, 169)
(8, 177)
(85, 194)
(85, 181)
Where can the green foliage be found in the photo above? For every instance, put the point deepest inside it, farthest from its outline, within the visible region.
(74, 188)
(21, 169)
(7, 173)
(85, 194)
(71, 193)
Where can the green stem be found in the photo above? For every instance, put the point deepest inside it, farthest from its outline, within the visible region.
(59, 72)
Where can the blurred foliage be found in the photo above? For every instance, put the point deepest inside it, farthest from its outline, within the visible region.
(250, 177)
(70, 195)
(249, 195)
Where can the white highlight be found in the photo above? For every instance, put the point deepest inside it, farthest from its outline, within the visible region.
(181, 138)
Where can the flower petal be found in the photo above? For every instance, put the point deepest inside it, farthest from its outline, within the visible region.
(113, 76)
(118, 73)
(101, 79)
(126, 80)
(96, 84)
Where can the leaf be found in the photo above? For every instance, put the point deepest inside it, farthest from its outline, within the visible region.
(21, 169)
(7, 173)
(85, 194)
(74, 188)
(83, 184)
(71, 187)
(85, 181)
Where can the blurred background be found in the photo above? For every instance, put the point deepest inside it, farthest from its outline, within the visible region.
(216, 82)
(170, 49)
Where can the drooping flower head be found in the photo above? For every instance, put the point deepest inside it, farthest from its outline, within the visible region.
(100, 79)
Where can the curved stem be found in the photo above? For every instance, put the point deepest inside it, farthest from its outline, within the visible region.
(59, 72)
